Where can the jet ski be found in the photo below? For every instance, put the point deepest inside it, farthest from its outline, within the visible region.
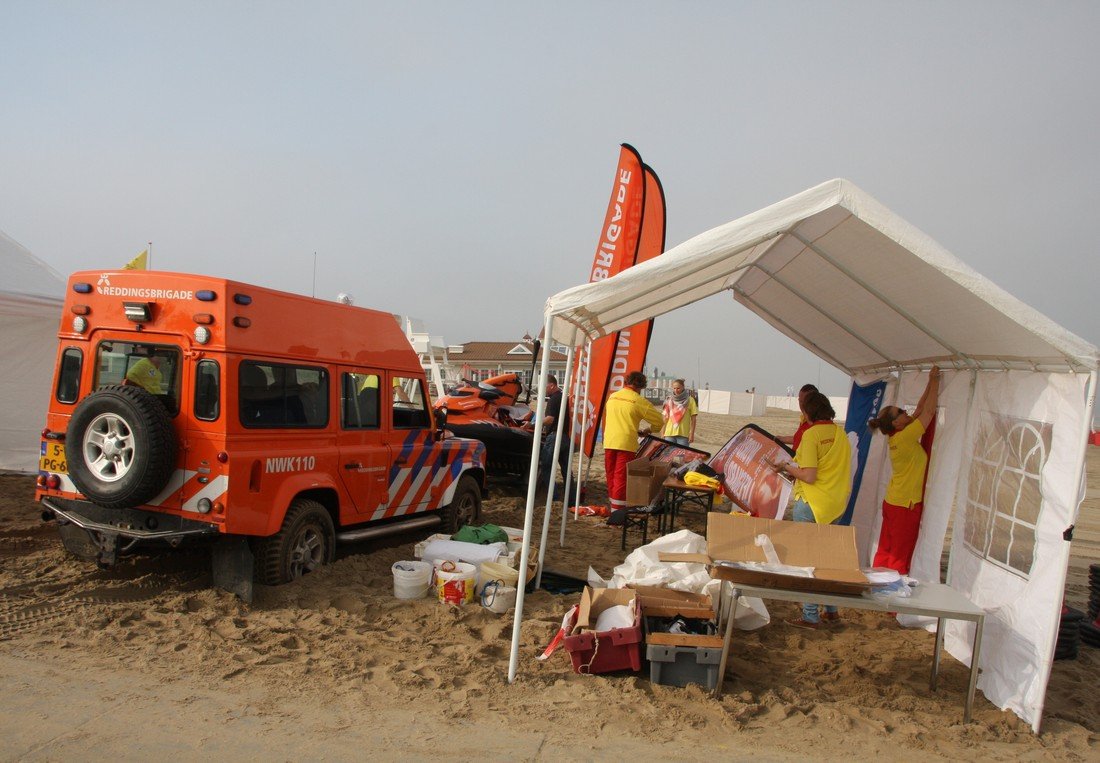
(487, 411)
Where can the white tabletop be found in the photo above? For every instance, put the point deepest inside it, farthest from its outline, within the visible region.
(929, 599)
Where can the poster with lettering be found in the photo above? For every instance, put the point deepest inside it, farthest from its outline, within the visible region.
(659, 449)
(748, 481)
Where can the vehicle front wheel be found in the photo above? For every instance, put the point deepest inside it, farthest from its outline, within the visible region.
(305, 542)
(465, 507)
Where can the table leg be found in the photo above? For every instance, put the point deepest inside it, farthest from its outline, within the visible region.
(978, 625)
(728, 635)
(936, 654)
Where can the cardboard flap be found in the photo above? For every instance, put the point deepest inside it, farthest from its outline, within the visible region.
(803, 544)
(596, 600)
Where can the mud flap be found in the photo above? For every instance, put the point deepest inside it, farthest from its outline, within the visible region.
(233, 567)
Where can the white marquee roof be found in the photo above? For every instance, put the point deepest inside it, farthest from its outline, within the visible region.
(843, 276)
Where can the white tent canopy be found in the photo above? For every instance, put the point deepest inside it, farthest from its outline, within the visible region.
(30, 307)
(844, 277)
(862, 289)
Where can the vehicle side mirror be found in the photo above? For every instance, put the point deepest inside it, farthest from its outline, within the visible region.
(440, 418)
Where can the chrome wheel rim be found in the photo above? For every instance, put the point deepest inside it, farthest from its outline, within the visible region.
(108, 447)
(307, 553)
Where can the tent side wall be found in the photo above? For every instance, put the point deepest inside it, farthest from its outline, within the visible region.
(28, 345)
(1018, 495)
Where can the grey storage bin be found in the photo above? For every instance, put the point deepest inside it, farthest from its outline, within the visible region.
(683, 665)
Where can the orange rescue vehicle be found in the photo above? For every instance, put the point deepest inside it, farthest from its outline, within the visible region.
(188, 407)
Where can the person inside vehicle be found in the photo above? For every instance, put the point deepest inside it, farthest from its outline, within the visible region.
(146, 374)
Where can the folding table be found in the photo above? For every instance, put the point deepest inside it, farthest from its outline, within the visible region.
(928, 599)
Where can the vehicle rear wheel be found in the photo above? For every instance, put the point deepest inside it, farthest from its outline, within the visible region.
(305, 542)
(120, 447)
(465, 507)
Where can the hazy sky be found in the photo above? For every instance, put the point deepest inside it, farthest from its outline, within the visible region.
(453, 161)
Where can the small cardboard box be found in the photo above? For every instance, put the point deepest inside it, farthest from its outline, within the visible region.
(829, 549)
(603, 652)
(643, 480)
(663, 603)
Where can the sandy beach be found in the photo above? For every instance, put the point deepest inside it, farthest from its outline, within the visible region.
(146, 659)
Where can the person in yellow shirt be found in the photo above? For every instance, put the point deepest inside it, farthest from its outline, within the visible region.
(624, 412)
(146, 374)
(821, 468)
(903, 504)
(680, 412)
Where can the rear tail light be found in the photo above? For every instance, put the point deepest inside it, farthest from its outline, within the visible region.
(41, 481)
(53, 482)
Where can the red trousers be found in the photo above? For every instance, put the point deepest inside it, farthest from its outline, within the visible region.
(614, 464)
(898, 538)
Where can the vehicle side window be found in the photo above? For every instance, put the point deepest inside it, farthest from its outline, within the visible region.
(68, 379)
(153, 367)
(360, 401)
(207, 390)
(410, 406)
(275, 395)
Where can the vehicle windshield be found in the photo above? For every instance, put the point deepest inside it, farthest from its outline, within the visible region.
(153, 367)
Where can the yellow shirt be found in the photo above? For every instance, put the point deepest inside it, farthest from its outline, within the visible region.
(683, 428)
(825, 447)
(910, 462)
(624, 411)
(147, 376)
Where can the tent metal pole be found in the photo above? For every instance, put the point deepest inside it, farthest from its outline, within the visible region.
(582, 481)
(569, 459)
(554, 470)
(528, 515)
(793, 330)
(878, 295)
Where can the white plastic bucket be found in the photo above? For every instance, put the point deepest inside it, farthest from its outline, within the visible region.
(497, 598)
(411, 579)
(455, 582)
(491, 571)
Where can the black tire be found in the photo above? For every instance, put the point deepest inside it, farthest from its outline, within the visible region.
(306, 541)
(465, 507)
(120, 447)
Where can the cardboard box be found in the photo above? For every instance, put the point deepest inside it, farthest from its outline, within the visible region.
(644, 479)
(665, 602)
(829, 549)
(603, 652)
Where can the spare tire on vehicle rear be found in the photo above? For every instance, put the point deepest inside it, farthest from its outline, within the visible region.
(120, 447)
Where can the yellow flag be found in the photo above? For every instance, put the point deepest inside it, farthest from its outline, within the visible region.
(138, 263)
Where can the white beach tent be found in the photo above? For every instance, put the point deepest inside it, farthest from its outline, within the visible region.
(30, 306)
(852, 282)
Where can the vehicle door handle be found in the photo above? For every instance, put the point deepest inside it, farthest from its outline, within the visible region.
(400, 462)
(353, 465)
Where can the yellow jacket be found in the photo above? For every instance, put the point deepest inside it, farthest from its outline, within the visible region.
(625, 410)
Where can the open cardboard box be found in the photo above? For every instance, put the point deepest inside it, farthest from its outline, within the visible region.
(644, 479)
(829, 549)
(665, 603)
(606, 651)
